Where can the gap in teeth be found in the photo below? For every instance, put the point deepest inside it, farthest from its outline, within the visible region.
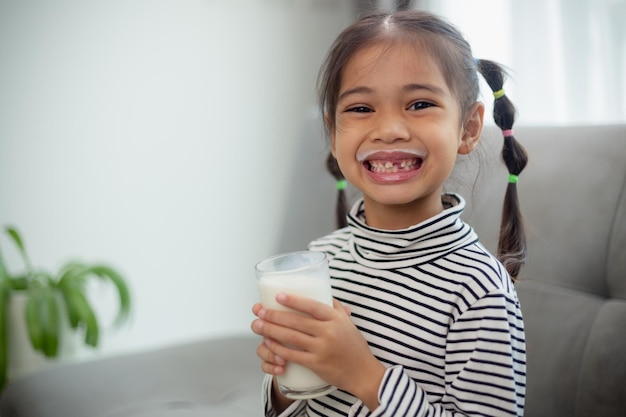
(389, 166)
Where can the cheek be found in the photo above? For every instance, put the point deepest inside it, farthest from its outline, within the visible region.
(446, 149)
(341, 152)
(346, 127)
(345, 155)
(341, 142)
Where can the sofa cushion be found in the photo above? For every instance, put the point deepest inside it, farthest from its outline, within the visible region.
(602, 380)
(616, 262)
(558, 324)
(569, 193)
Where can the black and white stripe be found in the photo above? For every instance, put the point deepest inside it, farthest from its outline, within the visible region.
(437, 309)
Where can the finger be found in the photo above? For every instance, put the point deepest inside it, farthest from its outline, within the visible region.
(286, 326)
(285, 353)
(256, 326)
(338, 306)
(316, 309)
(270, 362)
(289, 329)
(272, 369)
(256, 308)
(264, 352)
(298, 339)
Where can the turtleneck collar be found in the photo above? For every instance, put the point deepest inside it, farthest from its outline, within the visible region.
(418, 244)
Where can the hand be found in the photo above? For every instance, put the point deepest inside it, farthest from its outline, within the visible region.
(271, 363)
(323, 339)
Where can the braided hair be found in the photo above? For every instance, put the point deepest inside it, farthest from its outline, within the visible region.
(342, 201)
(512, 240)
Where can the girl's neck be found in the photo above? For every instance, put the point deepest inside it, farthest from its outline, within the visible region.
(401, 216)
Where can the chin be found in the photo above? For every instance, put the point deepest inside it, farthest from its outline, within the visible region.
(394, 200)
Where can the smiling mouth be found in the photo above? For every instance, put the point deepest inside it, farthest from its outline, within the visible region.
(380, 166)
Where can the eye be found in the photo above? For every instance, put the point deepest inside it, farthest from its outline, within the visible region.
(419, 105)
(359, 109)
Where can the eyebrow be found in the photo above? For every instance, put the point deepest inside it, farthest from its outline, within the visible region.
(407, 88)
(356, 90)
(428, 87)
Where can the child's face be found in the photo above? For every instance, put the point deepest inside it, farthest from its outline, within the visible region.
(398, 131)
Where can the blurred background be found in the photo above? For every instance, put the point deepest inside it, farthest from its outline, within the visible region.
(170, 138)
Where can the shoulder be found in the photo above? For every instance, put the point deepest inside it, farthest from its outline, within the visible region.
(483, 291)
(478, 273)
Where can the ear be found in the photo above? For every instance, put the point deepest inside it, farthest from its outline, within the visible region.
(331, 133)
(472, 129)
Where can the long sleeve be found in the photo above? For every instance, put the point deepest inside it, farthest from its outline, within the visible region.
(485, 368)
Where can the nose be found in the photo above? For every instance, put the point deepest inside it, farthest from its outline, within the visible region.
(390, 128)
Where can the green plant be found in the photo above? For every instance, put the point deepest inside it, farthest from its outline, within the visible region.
(46, 295)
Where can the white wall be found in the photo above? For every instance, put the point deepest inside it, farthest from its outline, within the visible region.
(158, 136)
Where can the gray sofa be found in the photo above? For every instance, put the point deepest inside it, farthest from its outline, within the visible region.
(572, 291)
(573, 288)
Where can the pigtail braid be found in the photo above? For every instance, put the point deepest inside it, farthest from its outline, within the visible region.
(512, 241)
(342, 202)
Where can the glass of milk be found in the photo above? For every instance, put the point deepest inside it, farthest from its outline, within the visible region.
(303, 273)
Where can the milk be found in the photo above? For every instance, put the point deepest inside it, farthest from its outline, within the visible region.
(303, 274)
(315, 287)
(296, 377)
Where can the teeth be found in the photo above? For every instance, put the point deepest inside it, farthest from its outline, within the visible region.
(390, 167)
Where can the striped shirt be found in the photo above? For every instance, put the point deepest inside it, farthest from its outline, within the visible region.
(437, 309)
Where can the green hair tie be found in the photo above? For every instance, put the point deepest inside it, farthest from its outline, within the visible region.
(498, 94)
(341, 184)
(513, 179)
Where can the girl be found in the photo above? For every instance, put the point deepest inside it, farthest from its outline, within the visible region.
(425, 321)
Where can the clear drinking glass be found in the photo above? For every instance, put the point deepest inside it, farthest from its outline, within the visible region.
(303, 273)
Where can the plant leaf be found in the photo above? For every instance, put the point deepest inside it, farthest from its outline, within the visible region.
(17, 239)
(70, 305)
(33, 318)
(86, 317)
(18, 283)
(15, 235)
(4, 323)
(73, 272)
(106, 272)
(49, 311)
(4, 273)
